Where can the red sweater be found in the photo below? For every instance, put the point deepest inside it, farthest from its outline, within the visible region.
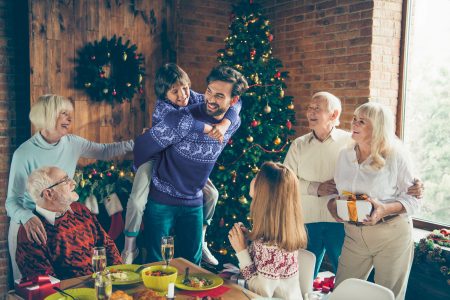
(70, 242)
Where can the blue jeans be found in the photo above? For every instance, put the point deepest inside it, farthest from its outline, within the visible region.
(325, 236)
(186, 223)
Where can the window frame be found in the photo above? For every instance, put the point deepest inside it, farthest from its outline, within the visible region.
(403, 68)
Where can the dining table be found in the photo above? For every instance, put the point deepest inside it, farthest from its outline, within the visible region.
(235, 291)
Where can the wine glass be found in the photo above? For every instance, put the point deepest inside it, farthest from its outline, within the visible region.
(167, 248)
(99, 259)
(103, 285)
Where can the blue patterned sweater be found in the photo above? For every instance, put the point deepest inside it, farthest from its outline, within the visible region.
(186, 156)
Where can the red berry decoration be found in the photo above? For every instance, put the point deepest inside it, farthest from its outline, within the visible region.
(289, 124)
(254, 123)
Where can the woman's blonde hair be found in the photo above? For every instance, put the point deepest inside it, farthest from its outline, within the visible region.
(45, 111)
(276, 210)
(383, 135)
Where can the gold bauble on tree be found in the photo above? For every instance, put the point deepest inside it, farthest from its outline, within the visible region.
(255, 169)
(250, 139)
(281, 93)
(291, 106)
(267, 109)
(243, 200)
(221, 167)
(124, 56)
(277, 141)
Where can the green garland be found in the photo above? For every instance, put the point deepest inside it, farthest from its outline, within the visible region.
(104, 178)
(110, 70)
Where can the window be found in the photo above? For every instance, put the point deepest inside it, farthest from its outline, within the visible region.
(426, 102)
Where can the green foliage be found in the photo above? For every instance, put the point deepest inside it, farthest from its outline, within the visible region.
(110, 70)
(103, 178)
(427, 252)
(267, 118)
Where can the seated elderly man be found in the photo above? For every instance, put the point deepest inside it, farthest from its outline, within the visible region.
(72, 231)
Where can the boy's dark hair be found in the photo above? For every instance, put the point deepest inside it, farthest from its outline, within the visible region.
(228, 74)
(168, 75)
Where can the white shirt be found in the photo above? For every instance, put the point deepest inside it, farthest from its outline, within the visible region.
(50, 216)
(314, 162)
(389, 184)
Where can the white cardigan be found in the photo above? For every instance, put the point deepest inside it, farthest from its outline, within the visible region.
(270, 271)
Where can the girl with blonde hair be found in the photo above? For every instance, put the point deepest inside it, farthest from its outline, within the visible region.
(377, 165)
(270, 263)
(51, 145)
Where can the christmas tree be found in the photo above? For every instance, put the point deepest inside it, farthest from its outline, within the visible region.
(267, 117)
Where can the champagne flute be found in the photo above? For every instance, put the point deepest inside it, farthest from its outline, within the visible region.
(167, 248)
(99, 259)
(103, 285)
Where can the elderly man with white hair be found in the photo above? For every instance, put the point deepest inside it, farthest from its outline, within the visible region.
(313, 158)
(72, 231)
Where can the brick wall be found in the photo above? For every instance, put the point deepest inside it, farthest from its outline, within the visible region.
(202, 26)
(14, 107)
(385, 51)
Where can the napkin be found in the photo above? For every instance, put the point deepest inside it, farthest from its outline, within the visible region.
(218, 291)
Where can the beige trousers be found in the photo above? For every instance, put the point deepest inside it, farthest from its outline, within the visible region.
(388, 247)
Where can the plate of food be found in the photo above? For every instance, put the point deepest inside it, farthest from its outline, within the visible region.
(81, 294)
(124, 274)
(198, 282)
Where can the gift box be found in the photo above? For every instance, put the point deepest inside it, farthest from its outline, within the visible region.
(36, 288)
(354, 208)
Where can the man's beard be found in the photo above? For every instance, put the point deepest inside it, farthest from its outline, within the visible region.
(218, 112)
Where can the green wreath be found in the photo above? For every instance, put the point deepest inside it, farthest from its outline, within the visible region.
(109, 70)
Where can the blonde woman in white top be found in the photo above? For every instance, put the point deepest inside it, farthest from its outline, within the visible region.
(376, 165)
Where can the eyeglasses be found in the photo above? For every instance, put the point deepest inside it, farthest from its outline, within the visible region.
(64, 180)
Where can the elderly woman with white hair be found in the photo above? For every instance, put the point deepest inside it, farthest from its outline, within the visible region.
(376, 165)
(313, 157)
(52, 145)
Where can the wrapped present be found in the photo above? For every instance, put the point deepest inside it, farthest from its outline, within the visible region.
(325, 285)
(353, 207)
(36, 288)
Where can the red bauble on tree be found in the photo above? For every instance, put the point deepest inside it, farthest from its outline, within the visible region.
(270, 37)
(277, 74)
(254, 123)
(289, 124)
(253, 52)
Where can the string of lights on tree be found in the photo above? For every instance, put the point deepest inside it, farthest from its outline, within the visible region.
(267, 119)
(110, 70)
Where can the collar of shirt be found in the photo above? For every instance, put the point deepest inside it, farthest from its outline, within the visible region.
(331, 135)
(51, 216)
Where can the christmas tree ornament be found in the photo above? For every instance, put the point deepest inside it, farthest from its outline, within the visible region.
(105, 91)
(267, 109)
(230, 51)
(140, 78)
(243, 200)
(254, 123)
(277, 74)
(250, 139)
(225, 195)
(221, 222)
(223, 251)
(277, 141)
(291, 106)
(93, 57)
(270, 37)
(124, 56)
(281, 93)
(114, 92)
(221, 167)
(87, 84)
(266, 22)
(255, 170)
(108, 55)
(128, 84)
(230, 142)
(289, 124)
(233, 176)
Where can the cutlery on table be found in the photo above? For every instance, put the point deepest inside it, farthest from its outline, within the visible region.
(186, 276)
(64, 293)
